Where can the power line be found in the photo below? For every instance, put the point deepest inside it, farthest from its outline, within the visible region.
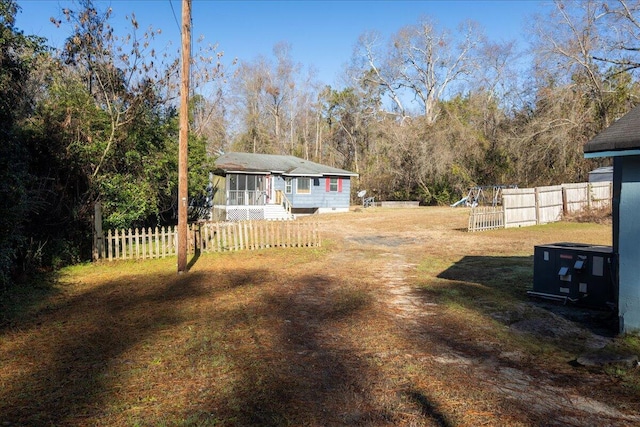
(175, 18)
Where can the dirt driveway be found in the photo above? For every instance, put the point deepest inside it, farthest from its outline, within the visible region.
(482, 367)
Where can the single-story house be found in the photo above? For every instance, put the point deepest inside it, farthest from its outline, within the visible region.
(268, 186)
(621, 141)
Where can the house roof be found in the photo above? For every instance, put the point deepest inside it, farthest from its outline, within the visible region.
(619, 139)
(272, 163)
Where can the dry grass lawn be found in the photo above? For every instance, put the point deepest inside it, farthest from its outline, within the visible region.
(402, 318)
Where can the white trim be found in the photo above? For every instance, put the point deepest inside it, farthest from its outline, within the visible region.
(247, 172)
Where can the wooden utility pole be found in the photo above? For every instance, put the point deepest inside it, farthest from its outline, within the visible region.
(183, 196)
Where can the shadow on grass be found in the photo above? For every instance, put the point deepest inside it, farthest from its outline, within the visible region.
(229, 347)
(194, 259)
(490, 282)
(299, 373)
(509, 276)
(428, 409)
(18, 300)
(72, 348)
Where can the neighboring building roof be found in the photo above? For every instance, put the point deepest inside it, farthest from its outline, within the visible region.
(622, 138)
(602, 174)
(272, 163)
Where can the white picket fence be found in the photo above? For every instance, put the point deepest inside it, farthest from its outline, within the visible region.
(541, 205)
(161, 242)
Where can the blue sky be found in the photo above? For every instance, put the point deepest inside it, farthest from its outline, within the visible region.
(322, 34)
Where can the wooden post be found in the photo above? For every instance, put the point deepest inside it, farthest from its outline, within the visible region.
(109, 245)
(163, 241)
(218, 237)
(204, 236)
(149, 243)
(537, 197)
(98, 234)
(130, 243)
(225, 238)
(183, 203)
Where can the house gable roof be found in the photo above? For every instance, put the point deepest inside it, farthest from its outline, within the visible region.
(619, 139)
(277, 164)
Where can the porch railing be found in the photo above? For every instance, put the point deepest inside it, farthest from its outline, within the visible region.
(281, 199)
(247, 197)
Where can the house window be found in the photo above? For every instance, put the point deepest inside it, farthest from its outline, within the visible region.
(303, 185)
(288, 188)
(333, 184)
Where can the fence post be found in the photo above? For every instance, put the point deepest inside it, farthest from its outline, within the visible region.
(156, 236)
(163, 244)
(224, 238)
(98, 234)
(504, 215)
(205, 236)
(218, 237)
(150, 242)
(109, 245)
(116, 243)
(537, 197)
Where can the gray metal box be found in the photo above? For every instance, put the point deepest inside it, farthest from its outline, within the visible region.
(574, 272)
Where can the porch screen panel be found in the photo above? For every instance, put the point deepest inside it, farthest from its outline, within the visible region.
(246, 189)
(237, 187)
(251, 189)
(233, 189)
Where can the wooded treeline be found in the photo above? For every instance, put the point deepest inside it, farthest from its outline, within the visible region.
(421, 115)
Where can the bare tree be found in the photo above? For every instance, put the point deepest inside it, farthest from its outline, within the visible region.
(248, 88)
(420, 63)
(621, 22)
(209, 82)
(586, 45)
(430, 62)
(371, 68)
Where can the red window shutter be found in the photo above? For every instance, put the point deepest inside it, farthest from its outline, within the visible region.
(339, 185)
(328, 184)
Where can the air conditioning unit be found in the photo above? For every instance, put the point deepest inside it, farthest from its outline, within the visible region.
(574, 272)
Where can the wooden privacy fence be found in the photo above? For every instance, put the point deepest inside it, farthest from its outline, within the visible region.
(541, 205)
(206, 237)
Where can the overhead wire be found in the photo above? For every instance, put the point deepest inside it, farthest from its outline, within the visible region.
(175, 18)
